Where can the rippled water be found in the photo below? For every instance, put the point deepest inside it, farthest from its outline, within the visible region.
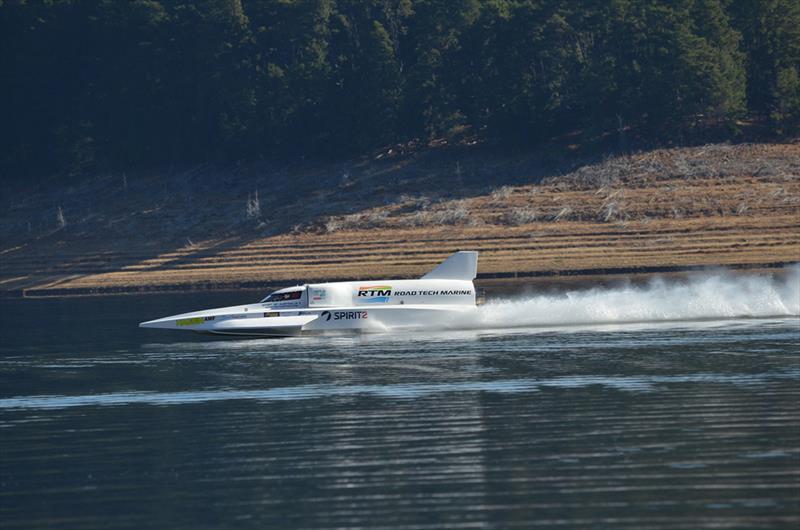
(648, 425)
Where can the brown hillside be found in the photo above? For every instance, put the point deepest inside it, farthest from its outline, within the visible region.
(661, 210)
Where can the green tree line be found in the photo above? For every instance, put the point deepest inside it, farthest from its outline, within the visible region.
(107, 84)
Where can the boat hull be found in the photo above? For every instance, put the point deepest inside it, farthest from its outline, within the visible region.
(442, 299)
(255, 322)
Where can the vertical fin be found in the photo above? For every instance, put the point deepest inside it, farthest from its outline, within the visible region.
(462, 265)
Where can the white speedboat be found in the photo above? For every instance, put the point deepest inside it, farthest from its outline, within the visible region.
(441, 299)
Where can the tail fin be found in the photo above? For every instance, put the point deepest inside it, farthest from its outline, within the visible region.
(462, 265)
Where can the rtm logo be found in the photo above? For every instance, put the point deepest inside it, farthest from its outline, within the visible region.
(375, 294)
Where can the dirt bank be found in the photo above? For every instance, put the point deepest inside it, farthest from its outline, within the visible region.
(659, 211)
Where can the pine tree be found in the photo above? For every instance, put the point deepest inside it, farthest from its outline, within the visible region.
(771, 41)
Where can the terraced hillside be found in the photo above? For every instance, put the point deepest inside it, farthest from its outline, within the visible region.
(657, 211)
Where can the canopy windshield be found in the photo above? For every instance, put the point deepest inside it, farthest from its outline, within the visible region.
(284, 296)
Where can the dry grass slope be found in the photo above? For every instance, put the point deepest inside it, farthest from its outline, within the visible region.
(665, 209)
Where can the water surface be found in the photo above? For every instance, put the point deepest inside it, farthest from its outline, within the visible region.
(648, 425)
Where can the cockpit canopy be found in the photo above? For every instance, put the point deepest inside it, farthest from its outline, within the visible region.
(289, 297)
(282, 297)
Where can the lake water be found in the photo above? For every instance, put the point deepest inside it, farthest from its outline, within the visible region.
(666, 424)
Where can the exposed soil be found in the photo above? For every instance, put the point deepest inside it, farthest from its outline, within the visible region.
(664, 210)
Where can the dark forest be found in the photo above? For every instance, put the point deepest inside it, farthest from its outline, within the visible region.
(99, 85)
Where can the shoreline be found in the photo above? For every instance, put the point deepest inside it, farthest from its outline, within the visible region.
(664, 211)
(490, 282)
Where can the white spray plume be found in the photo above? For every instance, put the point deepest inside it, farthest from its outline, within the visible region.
(711, 295)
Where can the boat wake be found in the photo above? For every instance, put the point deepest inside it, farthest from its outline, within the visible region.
(704, 296)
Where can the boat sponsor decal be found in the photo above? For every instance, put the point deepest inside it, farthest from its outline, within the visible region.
(456, 292)
(192, 321)
(375, 294)
(343, 315)
(233, 316)
(317, 295)
(272, 314)
(281, 305)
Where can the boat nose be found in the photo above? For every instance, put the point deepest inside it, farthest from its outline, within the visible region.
(158, 323)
